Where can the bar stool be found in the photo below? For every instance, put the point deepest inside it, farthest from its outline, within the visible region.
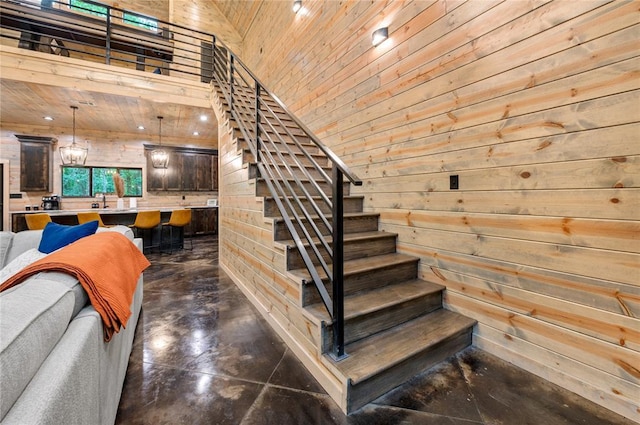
(37, 221)
(179, 219)
(146, 220)
(85, 217)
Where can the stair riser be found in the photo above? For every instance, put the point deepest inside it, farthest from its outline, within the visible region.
(351, 225)
(365, 280)
(350, 205)
(263, 190)
(372, 388)
(366, 325)
(247, 157)
(352, 250)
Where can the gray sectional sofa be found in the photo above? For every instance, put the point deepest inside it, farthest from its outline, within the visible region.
(55, 367)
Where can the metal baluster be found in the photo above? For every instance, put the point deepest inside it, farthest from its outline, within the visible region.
(257, 124)
(108, 39)
(337, 211)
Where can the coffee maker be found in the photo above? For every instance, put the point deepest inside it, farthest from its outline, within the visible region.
(51, 202)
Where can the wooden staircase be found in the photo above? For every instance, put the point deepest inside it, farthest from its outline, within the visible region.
(395, 325)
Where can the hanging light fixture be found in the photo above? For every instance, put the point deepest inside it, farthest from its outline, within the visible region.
(159, 157)
(73, 154)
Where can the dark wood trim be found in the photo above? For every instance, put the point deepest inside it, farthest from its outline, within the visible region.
(36, 139)
(183, 149)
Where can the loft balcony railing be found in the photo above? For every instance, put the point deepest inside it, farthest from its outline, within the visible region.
(289, 157)
(284, 151)
(101, 33)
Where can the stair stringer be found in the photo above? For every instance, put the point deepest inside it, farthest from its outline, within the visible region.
(252, 255)
(248, 254)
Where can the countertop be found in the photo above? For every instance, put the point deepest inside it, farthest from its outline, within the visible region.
(112, 210)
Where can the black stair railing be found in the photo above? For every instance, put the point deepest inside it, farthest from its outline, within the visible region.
(283, 149)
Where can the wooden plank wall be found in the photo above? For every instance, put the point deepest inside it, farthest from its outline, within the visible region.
(534, 106)
(201, 16)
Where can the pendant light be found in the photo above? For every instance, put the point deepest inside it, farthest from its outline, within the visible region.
(159, 157)
(73, 154)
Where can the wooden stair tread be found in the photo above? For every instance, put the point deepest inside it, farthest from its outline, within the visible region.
(370, 356)
(377, 299)
(348, 237)
(362, 265)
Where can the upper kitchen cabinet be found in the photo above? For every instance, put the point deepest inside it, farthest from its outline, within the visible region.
(207, 172)
(36, 163)
(189, 169)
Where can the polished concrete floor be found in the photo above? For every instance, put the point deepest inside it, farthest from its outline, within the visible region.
(204, 355)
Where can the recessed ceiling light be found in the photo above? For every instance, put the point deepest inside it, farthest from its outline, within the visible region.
(203, 117)
(195, 133)
(141, 127)
(48, 118)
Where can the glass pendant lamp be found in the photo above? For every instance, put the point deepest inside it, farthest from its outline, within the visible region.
(73, 154)
(159, 157)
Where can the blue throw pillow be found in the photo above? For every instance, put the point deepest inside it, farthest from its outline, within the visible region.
(55, 236)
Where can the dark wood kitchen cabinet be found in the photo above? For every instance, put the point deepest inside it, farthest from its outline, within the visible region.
(204, 221)
(36, 163)
(188, 170)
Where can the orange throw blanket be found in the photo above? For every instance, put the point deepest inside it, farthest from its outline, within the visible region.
(106, 264)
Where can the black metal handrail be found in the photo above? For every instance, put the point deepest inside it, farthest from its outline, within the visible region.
(282, 147)
(110, 36)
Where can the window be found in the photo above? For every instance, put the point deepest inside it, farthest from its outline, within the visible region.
(88, 7)
(87, 182)
(140, 21)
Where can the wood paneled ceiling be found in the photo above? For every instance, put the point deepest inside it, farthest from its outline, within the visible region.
(240, 13)
(28, 103)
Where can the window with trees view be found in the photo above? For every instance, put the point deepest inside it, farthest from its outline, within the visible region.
(130, 18)
(140, 21)
(87, 7)
(87, 182)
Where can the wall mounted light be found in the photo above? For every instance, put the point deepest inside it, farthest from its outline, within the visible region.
(297, 5)
(73, 154)
(380, 35)
(159, 157)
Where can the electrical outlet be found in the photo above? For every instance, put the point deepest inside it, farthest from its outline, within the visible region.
(454, 183)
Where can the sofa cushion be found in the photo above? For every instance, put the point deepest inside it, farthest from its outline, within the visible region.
(33, 317)
(81, 299)
(56, 236)
(23, 241)
(125, 230)
(20, 262)
(5, 243)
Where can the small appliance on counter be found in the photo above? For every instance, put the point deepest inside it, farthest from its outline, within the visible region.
(51, 202)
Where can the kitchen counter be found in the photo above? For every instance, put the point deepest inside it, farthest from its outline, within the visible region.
(203, 221)
(110, 210)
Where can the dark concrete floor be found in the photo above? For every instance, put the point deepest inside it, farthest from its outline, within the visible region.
(204, 355)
